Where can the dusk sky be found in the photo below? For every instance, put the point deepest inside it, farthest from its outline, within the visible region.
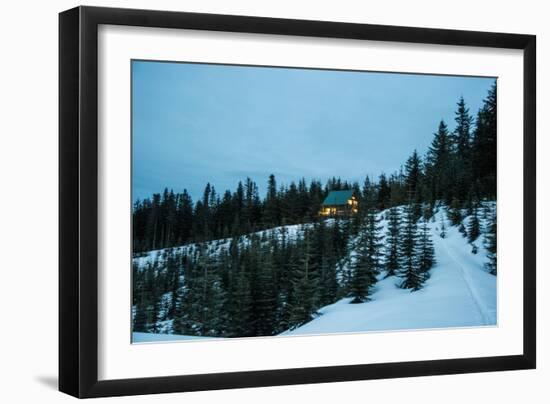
(199, 123)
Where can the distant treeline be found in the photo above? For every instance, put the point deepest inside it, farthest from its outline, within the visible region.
(459, 169)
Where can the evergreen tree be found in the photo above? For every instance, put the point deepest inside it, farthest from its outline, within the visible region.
(410, 271)
(239, 295)
(304, 302)
(366, 265)
(140, 316)
(328, 282)
(426, 252)
(455, 212)
(491, 245)
(484, 145)
(413, 178)
(265, 302)
(462, 156)
(462, 132)
(438, 166)
(393, 237)
(212, 297)
(473, 226)
(443, 232)
(384, 192)
(186, 321)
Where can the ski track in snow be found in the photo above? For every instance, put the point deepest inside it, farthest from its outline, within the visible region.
(483, 312)
(459, 293)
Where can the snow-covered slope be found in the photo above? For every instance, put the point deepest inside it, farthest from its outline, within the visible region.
(141, 337)
(459, 293)
(291, 232)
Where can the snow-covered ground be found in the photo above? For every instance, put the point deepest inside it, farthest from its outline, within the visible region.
(459, 292)
(290, 232)
(142, 337)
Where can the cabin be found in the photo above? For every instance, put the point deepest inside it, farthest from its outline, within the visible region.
(339, 203)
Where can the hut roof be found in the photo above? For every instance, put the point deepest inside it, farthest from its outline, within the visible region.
(338, 197)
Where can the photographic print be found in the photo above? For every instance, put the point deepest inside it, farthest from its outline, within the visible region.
(284, 201)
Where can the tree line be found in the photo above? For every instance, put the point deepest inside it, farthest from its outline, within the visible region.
(459, 169)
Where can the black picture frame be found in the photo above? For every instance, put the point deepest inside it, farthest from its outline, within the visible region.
(78, 201)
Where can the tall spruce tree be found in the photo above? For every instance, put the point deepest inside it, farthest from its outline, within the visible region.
(454, 212)
(410, 271)
(140, 316)
(413, 181)
(239, 295)
(271, 212)
(462, 164)
(438, 166)
(328, 282)
(491, 244)
(484, 145)
(366, 265)
(473, 225)
(186, 321)
(384, 192)
(205, 297)
(305, 284)
(426, 252)
(462, 131)
(392, 241)
(265, 302)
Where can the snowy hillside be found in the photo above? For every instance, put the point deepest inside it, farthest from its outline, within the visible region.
(215, 246)
(459, 292)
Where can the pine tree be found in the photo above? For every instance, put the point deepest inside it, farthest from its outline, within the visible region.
(366, 265)
(455, 212)
(443, 232)
(462, 132)
(328, 282)
(410, 272)
(484, 145)
(305, 285)
(140, 317)
(266, 294)
(462, 150)
(426, 252)
(201, 301)
(439, 175)
(271, 213)
(212, 299)
(413, 178)
(239, 295)
(393, 237)
(491, 245)
(186, 321)
(384, 192)
(473, 226)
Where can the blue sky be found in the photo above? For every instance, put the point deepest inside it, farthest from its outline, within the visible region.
(199, 123)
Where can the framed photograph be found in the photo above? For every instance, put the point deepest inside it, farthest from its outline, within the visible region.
(250, 201)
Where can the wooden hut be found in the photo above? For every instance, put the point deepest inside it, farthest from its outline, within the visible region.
(339, 203)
